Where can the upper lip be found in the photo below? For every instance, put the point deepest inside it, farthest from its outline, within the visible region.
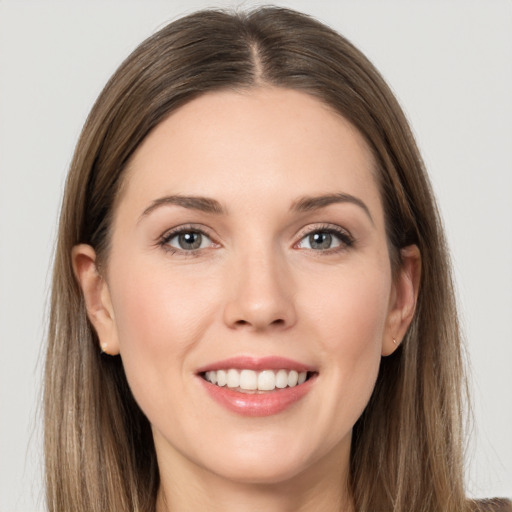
(257, 364)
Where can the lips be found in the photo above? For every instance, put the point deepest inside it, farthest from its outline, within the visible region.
(257, 386)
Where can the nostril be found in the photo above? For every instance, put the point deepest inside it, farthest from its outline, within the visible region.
(279, 322)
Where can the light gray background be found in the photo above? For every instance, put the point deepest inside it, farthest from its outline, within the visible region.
(449, 62)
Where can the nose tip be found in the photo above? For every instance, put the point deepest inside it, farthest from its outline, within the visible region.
(261, 299)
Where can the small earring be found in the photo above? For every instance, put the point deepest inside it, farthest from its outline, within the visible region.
(103, 348)
(394, 341)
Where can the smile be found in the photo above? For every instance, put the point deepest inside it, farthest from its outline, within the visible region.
(253, 381)
(251, 386)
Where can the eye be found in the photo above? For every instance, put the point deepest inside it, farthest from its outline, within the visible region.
(325, 239)
(187, 240)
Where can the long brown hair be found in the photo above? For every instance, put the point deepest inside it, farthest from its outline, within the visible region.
(407, 446)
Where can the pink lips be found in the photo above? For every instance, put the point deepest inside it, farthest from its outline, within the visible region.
(258, 403)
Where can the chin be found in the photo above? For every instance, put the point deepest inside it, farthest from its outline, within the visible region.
(269, 464)
(270, 472)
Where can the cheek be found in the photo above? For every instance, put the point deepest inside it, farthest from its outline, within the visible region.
(158, 324)
(353, 309)
(350, 323)
(155, 305)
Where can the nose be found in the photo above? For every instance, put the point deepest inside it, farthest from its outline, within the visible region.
(261, 294)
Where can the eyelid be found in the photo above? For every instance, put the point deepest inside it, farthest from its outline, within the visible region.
(163, 240)
(346, 238)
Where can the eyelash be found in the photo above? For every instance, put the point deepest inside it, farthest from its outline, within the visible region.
(169, 235)
(345, 238)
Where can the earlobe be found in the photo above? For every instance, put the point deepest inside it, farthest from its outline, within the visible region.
(97, 297)
(404, 299)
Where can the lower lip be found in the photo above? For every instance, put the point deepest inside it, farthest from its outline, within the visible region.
(258, 404)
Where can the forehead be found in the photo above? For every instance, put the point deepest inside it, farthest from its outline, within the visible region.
(262, 141)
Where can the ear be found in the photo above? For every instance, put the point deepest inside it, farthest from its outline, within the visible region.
(96, 296)
(403, 299)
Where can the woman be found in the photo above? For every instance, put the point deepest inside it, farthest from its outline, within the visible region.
(252, 306)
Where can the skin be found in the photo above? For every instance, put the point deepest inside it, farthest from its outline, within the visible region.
(255, 287)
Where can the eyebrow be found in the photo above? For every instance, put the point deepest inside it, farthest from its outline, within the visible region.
(309, 203)
(202, 204)
(209, 205)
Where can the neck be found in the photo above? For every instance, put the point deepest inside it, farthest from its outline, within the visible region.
(323, 487)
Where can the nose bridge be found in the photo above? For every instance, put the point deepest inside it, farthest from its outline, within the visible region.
(262, 290)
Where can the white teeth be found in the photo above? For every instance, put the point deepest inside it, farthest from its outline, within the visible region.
(233, 379)
(281, 379)
(266, 380)
(211, 377)
(221, 378)
(250, 380)
(293, 378)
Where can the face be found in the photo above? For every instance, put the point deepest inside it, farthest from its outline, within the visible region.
(248, 288)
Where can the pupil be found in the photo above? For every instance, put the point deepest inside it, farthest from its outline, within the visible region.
(320, 240)
(190, 240)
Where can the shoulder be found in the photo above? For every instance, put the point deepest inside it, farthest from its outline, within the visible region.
(491, 505)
